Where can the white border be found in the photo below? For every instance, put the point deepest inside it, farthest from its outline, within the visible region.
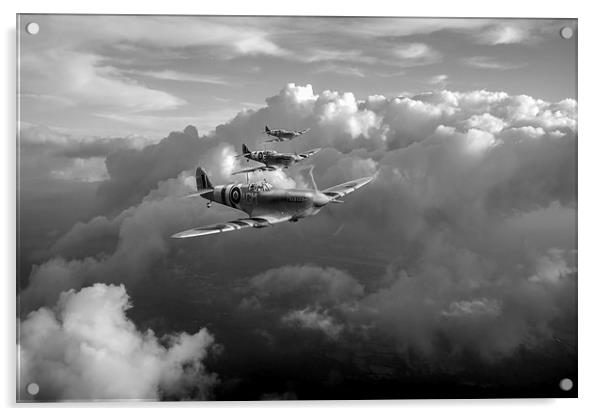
(590, 288)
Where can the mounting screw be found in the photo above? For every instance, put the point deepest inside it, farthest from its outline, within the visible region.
(566, 32)
(33, 388)
(566, 384)
(32, 28)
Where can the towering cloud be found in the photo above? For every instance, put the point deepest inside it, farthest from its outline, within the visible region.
(462, 245)
(86, 348)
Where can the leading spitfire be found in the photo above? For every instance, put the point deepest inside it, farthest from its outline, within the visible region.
(264, 204)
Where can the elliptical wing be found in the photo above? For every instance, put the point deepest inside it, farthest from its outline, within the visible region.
(239, 224)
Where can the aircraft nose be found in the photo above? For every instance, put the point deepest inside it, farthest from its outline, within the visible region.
(320, 200)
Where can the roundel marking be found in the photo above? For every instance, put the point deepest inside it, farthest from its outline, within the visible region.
(260, 155)
(235, 195)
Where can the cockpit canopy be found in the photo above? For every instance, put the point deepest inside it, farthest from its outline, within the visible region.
(260, 186)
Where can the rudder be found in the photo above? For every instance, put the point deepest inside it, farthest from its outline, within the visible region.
(202, 180)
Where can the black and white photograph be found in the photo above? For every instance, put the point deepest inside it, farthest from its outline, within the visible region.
(250, 208)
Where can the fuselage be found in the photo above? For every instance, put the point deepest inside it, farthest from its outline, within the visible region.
(271, 158)
(262, 199)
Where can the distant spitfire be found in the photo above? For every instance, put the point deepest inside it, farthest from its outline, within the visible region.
(282, 135)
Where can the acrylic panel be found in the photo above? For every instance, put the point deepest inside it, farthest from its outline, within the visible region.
(280, 207)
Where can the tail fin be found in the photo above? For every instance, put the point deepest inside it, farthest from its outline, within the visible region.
(267, 129)
(202, 180)
(245, 149)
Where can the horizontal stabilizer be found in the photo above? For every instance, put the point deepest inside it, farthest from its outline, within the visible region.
(199, 193)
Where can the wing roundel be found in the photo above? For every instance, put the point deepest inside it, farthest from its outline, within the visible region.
(235, 195)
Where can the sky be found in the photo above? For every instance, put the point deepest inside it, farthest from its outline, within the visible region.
(162, 73)
(452, 274)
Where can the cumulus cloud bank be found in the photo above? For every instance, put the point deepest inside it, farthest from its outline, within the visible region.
(111, 249)
(464, 242)
(85, 347)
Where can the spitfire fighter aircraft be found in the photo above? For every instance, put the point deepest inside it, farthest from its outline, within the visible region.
(271, 159)
(264, 204)
(282, 135)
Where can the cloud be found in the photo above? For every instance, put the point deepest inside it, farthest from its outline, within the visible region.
(491, 126)
(41, 140)
(298, 285)
(438, 79)
(313, 319)
(461, 246)
(342, 70)
(204, 122)
(49, 156)
(124, 246)
(414, 51)
(416, 54)
(133, 173)
(551, 267)
(96, 71)
(487, 62)
(507, 33)
(237, 36)
(485, 122)
(474, 307)
(86, 348)
(179, 76)
(435, 195)
(320, 55)
(427, 298)
(85, 80)
(83, 170)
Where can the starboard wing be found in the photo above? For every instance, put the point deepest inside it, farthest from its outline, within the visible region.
(255, 222)
(255, 169)
(310, 152)
(343, 189)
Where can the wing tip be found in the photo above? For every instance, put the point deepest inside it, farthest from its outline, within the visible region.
(178, 236)
(189, 234)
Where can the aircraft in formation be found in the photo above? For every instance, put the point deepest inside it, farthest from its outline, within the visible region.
(271, 159)
(265, 204)
(282, 135)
